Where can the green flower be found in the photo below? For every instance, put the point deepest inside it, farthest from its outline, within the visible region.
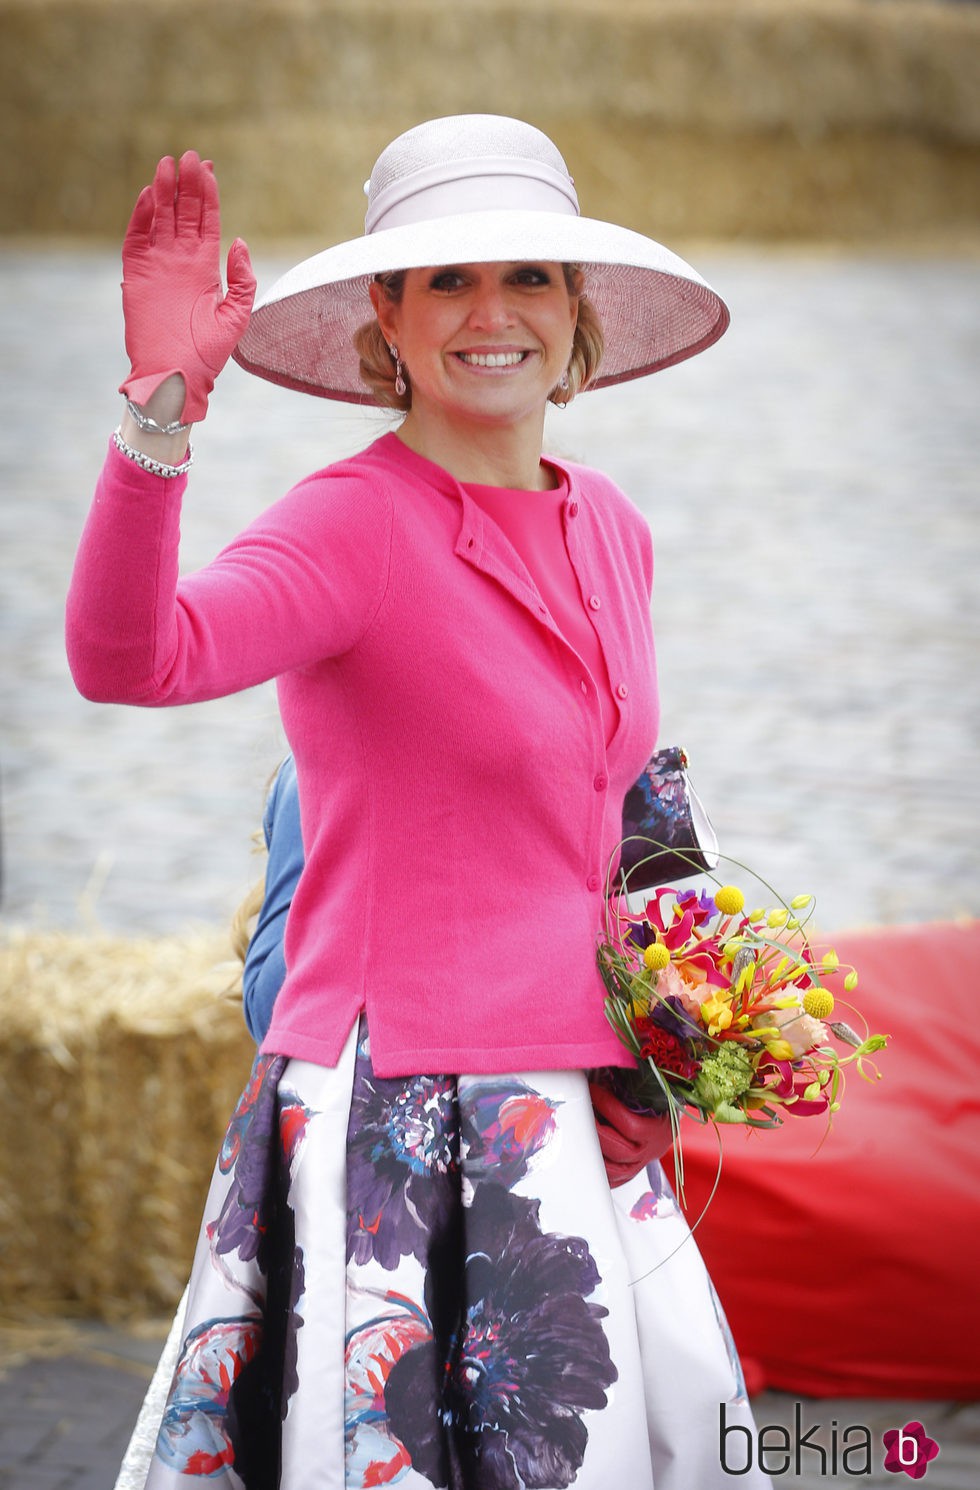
(725, 1076)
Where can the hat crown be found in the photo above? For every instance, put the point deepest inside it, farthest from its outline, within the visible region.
(463, 163)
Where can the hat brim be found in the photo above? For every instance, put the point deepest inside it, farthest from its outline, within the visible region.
(655, 309)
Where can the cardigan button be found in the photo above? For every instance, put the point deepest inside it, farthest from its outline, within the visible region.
(593, 882)
(595, 602)
(601, 782)
(573, 509)
(622, 691)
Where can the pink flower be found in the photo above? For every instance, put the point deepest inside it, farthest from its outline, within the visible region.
(800, 1031)
(671, 984)
(789, 1084)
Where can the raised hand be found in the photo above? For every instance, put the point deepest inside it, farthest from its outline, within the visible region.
(178, 318)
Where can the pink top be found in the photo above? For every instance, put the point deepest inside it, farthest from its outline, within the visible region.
(532, 520)
(459, 800)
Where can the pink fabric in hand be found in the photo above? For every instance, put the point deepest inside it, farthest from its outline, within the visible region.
(178, 320)
(629, 1140)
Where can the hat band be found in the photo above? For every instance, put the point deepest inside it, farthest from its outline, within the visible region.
(486, 186)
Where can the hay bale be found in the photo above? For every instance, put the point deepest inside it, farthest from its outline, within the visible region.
(709, 118)
(120, 1062)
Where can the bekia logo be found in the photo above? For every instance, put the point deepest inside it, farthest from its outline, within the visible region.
(778, 1449)
(909, 1449)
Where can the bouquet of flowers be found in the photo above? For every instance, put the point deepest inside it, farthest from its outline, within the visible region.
(728, 1013)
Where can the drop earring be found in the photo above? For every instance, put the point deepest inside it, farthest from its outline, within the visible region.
(401, 387)
(563, 387)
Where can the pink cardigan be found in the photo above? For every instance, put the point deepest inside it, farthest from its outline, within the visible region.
(460, 807)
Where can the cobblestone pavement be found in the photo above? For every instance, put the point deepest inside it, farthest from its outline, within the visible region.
(67, 1409)
(812, 487)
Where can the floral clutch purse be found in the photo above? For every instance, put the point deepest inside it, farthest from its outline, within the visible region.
(667, 834)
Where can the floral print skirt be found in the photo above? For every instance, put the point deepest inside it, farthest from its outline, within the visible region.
(427, 1282)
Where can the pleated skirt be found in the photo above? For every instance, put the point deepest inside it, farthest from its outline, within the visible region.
(427, 1282)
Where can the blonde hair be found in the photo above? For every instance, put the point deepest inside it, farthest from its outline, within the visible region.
(242, 927)
(378, 367)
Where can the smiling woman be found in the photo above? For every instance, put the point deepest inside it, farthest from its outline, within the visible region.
(483, 347)
(426, 1256)
(377, 368)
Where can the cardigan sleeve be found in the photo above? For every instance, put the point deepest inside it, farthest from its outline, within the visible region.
(300, 584)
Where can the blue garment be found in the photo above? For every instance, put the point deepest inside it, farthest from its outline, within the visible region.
(265, 963)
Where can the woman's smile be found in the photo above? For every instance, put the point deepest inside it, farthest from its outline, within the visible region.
(493, 359)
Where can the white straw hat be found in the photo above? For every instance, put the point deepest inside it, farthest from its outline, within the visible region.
(477, 188)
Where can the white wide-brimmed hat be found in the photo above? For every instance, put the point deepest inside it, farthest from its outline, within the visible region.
(477, 188)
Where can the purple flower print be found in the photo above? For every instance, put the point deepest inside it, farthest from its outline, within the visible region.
(402, 1165)
(262, 1080)
(528, 1356)
(505, 1123)
(248, 1153)
(265, 1134)
(409, 1140)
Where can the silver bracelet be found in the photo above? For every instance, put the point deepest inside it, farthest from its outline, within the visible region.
(149, 425)
(147, 463)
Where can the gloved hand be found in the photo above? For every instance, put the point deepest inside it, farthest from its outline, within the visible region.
(629, 1140)
(177, 318)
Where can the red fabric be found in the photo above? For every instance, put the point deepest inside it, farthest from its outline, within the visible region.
(851, 1271)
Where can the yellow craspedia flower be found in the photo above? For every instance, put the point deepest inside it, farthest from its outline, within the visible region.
(656, 957)
(729, 900)
(818, 1003)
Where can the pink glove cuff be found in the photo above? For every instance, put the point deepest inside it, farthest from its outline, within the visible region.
(141, 390)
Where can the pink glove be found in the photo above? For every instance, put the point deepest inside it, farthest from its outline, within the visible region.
(629, 1140)
(177, 319)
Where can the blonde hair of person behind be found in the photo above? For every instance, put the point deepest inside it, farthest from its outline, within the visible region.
(243, 921)
(378, 367)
